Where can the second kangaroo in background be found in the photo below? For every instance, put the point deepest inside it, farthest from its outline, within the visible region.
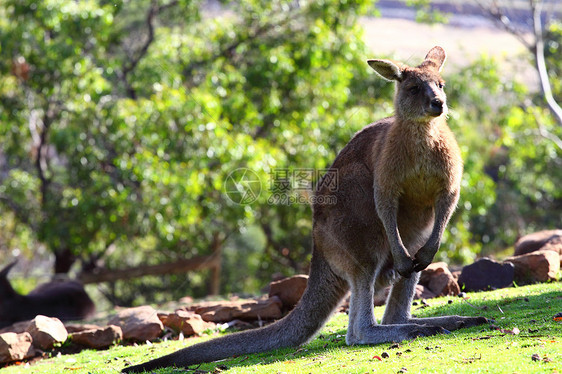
(398, 184)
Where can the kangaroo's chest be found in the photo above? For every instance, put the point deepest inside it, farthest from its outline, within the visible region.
(427, 172)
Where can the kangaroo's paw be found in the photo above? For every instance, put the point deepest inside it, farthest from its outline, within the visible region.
(392, 333)
(450, 322)
(404, 266)
(423, 330)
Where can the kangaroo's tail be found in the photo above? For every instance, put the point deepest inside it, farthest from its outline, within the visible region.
(324, 291)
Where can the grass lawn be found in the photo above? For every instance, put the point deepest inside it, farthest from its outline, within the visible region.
(524, 339)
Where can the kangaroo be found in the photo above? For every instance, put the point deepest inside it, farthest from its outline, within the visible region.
(398, 184)
(66, 300)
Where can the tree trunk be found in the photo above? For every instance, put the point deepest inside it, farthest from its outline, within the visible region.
(215, 283)
(64, 259)
(178, 266)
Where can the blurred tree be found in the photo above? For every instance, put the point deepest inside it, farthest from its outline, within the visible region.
(124, 125)
(526, 159)
(535, 40)
(122, 121)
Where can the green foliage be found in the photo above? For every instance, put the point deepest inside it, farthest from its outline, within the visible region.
(425, 13)
(512, 164)
(125, 120)
(122, 121)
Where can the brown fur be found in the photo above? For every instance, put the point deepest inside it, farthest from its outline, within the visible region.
(398, 184)
(66, 300)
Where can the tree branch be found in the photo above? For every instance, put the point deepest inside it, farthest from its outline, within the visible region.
(166, 6)
(540, 63)
(179, 266)
(495, 13)
(537, 48)
(543, 131)
(229, 50)
(40, 160)
(132, 64)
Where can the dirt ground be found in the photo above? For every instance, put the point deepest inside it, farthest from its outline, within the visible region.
(408, 41)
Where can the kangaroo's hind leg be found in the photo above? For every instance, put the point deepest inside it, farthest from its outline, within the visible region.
(363, 328)
(400, 300)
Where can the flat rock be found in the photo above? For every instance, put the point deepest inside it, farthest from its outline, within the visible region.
(343, 306)
(289, 290)
(77, 327)
(225, 311)
(379, 298)
(456, 274)
(15, 347)
(17, 327)
(46, 332)
(541, 240)
(187, 322)
(99, 337)
(186, 300)
(422, 292)
(439, 279)
(485, 274)
(138, 324)
(539, 266)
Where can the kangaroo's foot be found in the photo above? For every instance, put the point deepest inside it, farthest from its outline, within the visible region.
(391, 333)
(450, 322)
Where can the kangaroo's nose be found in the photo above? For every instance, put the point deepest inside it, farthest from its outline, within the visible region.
(436, 106)
(437, 103)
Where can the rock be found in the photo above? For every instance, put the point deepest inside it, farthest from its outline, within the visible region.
(241, 325)
(138, 324)
(224, 311)
(541, 240)
(186, 300)
(540, 266)
(187, 322)
(343, 306)
(456, 274)
(380, 296)
(423, 292)
(289, 290)
(98, 337)
(17, 327)
(46, 332)
(439, 280)
(486, 274)
(76, 327)
(15, 347)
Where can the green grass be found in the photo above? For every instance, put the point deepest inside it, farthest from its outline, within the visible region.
(479, 349)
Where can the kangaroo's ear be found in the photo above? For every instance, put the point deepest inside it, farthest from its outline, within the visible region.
(436, 57)
(4, 272)
(386, 69)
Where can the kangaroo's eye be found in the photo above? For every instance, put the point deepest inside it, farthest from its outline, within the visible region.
(440, 85)
(414, 90)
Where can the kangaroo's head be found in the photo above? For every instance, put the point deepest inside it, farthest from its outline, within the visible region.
(419, 90)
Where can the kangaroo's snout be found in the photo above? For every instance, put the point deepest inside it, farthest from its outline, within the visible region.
(436, 107)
